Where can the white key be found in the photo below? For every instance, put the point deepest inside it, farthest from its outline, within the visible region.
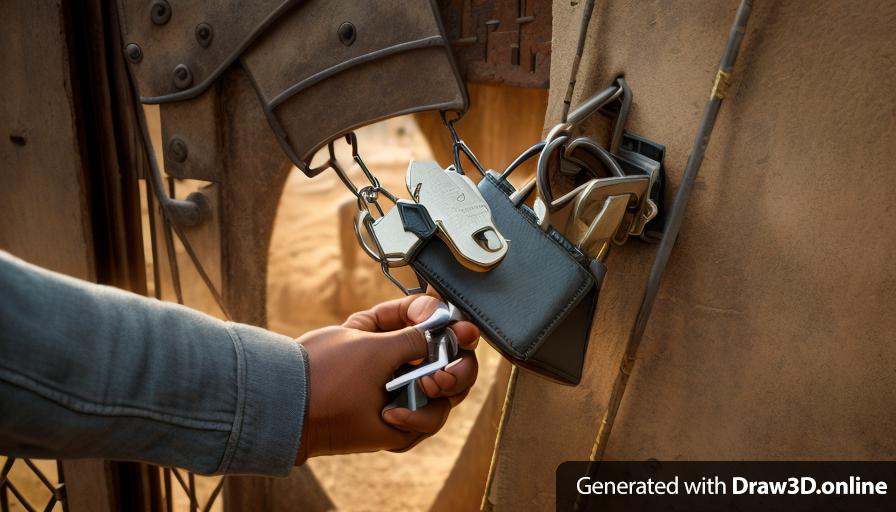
(462, 214)
(395, 243)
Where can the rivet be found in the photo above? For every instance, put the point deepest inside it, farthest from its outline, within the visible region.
(160, 12)
(178, 149)
(133, 53)
(204, 34)
(347, 33)
(183, 77)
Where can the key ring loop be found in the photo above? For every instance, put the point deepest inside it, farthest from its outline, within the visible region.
(369, 195)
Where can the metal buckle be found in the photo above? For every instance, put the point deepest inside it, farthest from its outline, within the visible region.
(604, 211)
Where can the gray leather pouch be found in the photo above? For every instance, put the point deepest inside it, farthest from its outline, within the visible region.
(536, 306)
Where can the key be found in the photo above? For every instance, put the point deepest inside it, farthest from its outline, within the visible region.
(461, 213)
(395, 244)
(443, 344)
(442, 348)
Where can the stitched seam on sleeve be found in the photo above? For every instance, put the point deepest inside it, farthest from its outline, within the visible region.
(82, 406)
(239, 411)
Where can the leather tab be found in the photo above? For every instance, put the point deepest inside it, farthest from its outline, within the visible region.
(416, 219)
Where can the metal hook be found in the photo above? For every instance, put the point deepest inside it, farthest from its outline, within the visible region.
(458, 145)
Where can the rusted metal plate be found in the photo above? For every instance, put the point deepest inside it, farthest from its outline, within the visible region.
(504, 41)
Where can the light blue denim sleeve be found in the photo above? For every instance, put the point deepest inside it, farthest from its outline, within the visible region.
(93, 371)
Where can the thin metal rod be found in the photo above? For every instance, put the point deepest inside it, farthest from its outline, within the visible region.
(214, 495)
(153, 243)
(624, 108)
(505, 407)
(188, 247)
(19, 496)
(169, 499)
(194, 503)
(676, 214)
(580, 48)
(40, 475)
(172, 259)
(186, 488)
(169, 246)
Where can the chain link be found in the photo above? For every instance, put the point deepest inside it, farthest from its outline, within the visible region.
(369, 195)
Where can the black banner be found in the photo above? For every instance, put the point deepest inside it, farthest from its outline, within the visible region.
(713, 486)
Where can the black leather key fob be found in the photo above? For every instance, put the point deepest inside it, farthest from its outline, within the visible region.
(536, 306)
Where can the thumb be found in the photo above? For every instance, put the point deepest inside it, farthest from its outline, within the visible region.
(404, 345)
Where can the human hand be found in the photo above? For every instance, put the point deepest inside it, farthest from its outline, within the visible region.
(349, 366)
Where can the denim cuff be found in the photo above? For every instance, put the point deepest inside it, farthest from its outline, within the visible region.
(271, 403)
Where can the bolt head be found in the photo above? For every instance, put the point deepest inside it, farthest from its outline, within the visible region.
(178, 150)
(204, 34)
(347, 33)
(133, 52)
(183, 77)
(160, 12)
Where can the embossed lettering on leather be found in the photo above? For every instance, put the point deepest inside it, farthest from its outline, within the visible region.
(535, 307)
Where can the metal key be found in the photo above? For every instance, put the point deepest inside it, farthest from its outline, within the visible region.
(444, 344)
(442, 348)
(461, 213)
(394, 243)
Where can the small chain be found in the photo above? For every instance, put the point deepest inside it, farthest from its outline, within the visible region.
(368, 195)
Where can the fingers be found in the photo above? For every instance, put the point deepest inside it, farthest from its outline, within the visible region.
(387, 316)
(403, 346)
(454, 380)
(467, 334)
(426, 420)
(421, 309)
(399, 313)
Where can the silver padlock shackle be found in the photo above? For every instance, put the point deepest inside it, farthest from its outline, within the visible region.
(543, 179)
(619, 90)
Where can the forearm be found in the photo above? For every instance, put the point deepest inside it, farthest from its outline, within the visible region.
(91, 371)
